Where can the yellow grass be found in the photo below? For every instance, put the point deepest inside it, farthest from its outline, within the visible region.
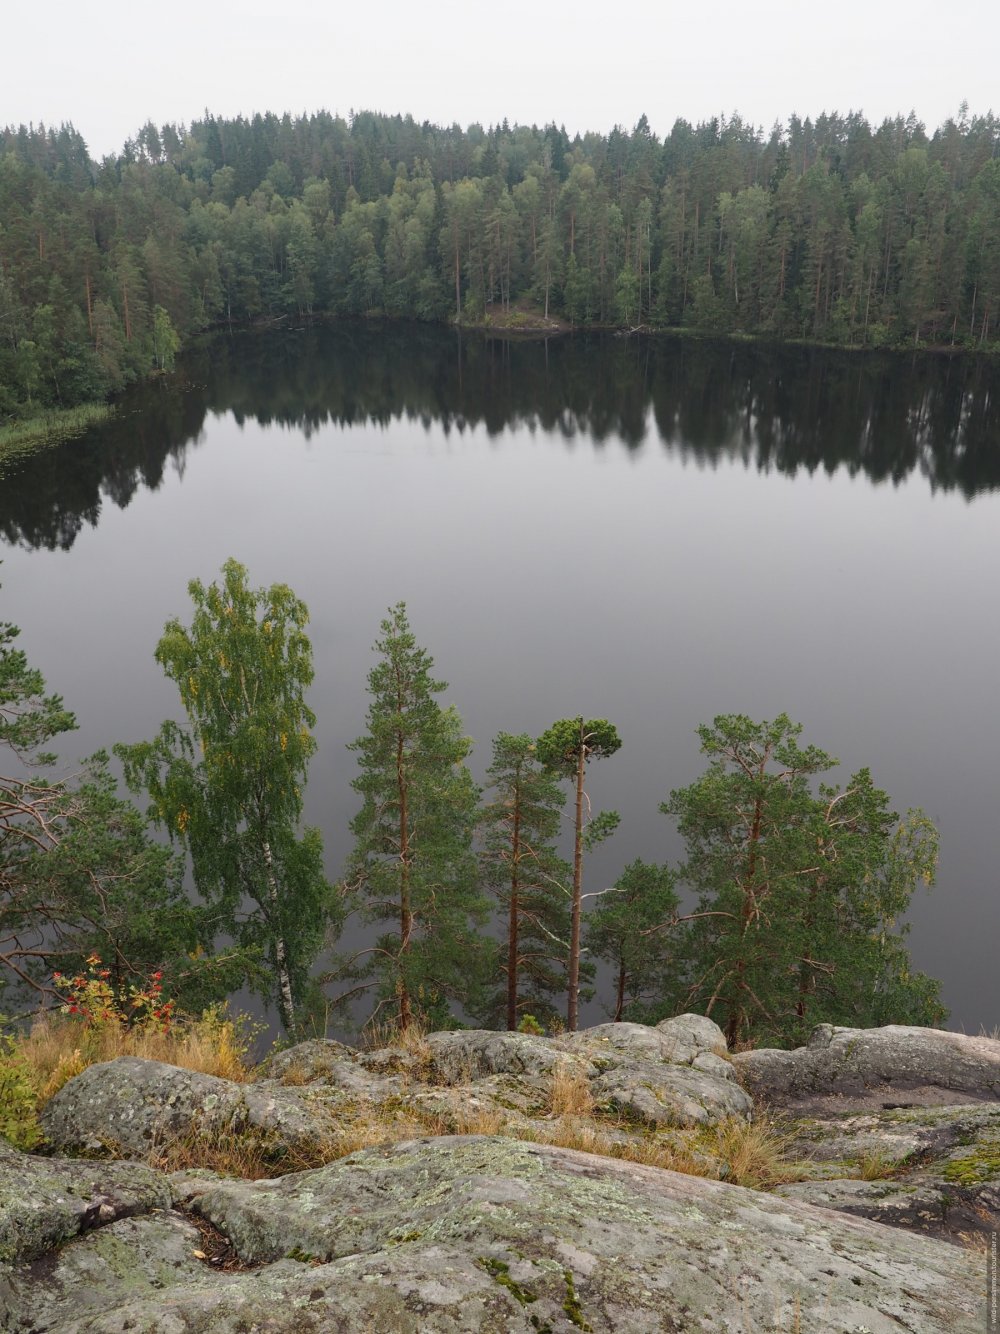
(377, 1034)
(878, 1166)
(569, 1093)
(59, 1047)
(757, 1154)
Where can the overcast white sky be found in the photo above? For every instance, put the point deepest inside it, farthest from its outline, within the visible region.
(111, 66)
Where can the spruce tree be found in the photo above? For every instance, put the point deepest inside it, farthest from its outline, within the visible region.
(412, 861)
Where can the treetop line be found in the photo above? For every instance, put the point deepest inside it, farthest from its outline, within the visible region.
(794, 887)
(829, 230)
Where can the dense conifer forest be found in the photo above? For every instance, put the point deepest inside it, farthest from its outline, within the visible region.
(829, 230)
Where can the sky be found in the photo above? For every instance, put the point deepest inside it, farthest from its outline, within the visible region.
(109, 68)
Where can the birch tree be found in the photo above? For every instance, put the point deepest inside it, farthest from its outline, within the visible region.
(228, 784)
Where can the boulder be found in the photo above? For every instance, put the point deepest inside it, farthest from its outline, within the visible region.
(467, 1055)
(670, 1075)
(851, 1068)
(133, 1107)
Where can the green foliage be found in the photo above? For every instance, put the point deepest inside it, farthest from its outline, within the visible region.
(165, 340)
(229, 785)
(531, 881)
(879, 236)
(627, 928)
(18, 1098)
(800, 886)
(78, 871)
(412, 861)
(561, 746)
(529, 1024)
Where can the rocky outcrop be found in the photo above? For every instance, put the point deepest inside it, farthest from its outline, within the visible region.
(845, 1069)
(484, 1234)
(934, 1170)
(675, 1074)
(897, 1124)
(669, 1076)
(503, 1231)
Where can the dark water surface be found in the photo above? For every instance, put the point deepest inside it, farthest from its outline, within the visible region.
(649, 531)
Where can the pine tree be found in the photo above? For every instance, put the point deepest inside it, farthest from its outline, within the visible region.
(412, 860)
(628, 929)
(566, 748)
(529, 877)
(799, 889)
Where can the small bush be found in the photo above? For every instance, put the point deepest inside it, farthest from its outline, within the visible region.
(98, 1022)
(18, 1097)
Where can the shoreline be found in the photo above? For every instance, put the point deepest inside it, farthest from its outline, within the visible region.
(32, 434)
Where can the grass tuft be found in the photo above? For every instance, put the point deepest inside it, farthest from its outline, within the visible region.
(569, 1093)
(757, 1154)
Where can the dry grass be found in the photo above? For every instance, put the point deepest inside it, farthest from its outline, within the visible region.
(753, 1156)
(59, 1047)
(474, 1121)
(376, 1035)
(237, 1154)
(758, 1154)
(588, 1137)
(294, 1076)
(569, 1093)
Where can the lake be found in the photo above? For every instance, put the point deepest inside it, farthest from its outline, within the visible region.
(655, 531)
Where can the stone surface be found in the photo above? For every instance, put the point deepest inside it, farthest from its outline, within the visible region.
(45, 1201)
(851, 1068)
(482, 1234)
(932, 1169)
(670, 1075)
(132, 1260)
(485, 1233)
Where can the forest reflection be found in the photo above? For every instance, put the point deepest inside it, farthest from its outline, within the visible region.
(884, 416)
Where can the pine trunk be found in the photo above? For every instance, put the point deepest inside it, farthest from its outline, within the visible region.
(572, 1008)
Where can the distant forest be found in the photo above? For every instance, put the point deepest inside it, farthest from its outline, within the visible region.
(826, 230)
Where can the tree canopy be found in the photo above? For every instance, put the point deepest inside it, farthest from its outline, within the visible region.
(567, 747)
(78, 871)
(412, 862)
(520, 825)
(800, 888)
(830, 229)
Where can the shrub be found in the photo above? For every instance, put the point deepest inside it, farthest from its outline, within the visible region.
(18, 1098)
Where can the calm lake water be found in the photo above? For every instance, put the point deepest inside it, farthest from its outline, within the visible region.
(652, 531)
